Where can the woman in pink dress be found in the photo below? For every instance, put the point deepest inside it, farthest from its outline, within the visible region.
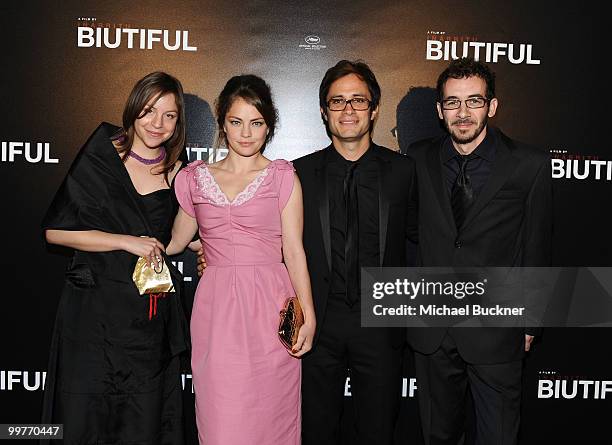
(248, 211)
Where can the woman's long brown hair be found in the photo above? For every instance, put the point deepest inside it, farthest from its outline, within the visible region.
(152, 87)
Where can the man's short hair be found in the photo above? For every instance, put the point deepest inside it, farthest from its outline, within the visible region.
(344, 68)
(463, 68)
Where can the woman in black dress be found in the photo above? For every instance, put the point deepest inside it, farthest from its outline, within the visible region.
(114, 369)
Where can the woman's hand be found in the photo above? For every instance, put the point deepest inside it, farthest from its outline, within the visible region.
(304, 340)
(183, 230)
(292, 223)
(143, 246)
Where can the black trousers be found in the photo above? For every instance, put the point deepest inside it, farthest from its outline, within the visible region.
(375, 384)
(443, 379)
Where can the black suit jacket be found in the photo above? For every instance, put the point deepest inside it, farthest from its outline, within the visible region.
(397, 211)
(510, 224)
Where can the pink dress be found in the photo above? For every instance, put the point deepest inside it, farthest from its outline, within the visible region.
(247, 387)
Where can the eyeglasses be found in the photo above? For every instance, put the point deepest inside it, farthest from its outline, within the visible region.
(357, 103)
(470, 102)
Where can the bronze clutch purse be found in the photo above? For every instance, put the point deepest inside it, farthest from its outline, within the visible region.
(152, 280)
(291, 320)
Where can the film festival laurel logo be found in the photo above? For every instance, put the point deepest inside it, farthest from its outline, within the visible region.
(567, 165)
(312, 42)
(93, 33)
(442, 46)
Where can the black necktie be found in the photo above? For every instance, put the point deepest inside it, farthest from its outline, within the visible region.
(462, 195)
(351, 240)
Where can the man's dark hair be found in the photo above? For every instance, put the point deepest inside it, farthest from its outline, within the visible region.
(467, 67)
(344, 68)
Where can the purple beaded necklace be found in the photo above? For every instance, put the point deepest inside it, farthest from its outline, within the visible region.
(146, 161)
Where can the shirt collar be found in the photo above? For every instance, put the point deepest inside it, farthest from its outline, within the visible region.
(485, 150)
(335, 156)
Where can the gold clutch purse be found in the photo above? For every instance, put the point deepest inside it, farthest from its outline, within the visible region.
(152, 280)
(291, 320)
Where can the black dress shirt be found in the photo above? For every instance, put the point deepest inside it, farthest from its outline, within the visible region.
(366, 175)
(478, 169)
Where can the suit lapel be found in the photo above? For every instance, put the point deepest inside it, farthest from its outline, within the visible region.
(503, 166)
(384, 173)
(321, 177)
(434, 166)
(323, 203)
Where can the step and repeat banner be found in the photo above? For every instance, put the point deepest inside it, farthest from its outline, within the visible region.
(70, 65)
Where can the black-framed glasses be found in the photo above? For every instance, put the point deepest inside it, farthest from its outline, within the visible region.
(340, 103)
(470, 102)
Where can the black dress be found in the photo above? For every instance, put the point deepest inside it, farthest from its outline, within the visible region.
(114, 372)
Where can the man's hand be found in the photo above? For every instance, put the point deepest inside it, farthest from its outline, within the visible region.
(195, 246)
(528, 340)
(201, 262)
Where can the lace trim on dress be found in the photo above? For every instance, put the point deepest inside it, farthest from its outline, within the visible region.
(210, 189)
(250, 189)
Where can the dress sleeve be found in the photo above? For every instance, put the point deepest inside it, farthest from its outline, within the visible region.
(182, 188)
(286, 173)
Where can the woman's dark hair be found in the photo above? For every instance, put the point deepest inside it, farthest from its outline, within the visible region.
(463, 68)
(254, 91)
(151, 88)
(344, 68)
